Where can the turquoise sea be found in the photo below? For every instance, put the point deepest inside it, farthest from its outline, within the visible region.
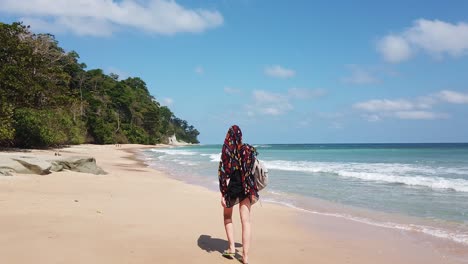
(420, 188)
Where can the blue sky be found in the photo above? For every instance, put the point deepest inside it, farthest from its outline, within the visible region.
(284, 71)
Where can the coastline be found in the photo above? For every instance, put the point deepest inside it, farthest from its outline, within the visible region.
(136, 214)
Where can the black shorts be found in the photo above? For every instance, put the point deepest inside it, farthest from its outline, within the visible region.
(235, 190)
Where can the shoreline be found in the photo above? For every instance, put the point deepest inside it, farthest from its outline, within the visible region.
(442, 237)
(447, 231)
(139, 215)
(432, 237)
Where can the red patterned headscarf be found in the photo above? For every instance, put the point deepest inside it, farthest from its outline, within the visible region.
(230, 153)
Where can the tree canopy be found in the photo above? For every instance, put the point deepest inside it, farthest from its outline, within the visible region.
(48, 98)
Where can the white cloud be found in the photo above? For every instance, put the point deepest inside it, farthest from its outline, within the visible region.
(103, 17)
(262, 96)
(377, 105)
(360, 76)
(199, 70)
(279, 72)
(394, 48)
(276, 110)
(372, 118)
(167, 101)
(426, 102)
(302, 93)
(438, 38)
(420, 115)
(413, 108)
(271, 103)
(78, 25)
(336, 125)
(453, 97)
(418, 108)
(230, 90)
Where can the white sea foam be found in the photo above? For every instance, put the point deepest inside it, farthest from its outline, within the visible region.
(213, 157)
(408, 174)
(188, 163)
(459, 185)
(458, 237)
(175, 152)
(275, 192)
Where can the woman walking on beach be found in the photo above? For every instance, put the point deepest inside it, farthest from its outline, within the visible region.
(237, 185)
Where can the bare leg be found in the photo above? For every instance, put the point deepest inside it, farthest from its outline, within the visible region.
(244, 209)
(229, 227)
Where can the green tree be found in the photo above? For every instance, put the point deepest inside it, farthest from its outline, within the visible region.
(48, 98)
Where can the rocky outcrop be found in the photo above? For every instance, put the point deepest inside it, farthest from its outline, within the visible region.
(42, 165)
(173, 141)
(79, 164)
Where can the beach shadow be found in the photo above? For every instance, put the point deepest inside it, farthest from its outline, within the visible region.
(210, 244)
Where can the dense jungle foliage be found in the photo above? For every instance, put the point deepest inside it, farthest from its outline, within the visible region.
(48, 98)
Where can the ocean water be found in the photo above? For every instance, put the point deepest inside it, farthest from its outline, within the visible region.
(420, 188)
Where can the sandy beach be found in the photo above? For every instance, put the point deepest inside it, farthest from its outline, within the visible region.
(135, 214)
